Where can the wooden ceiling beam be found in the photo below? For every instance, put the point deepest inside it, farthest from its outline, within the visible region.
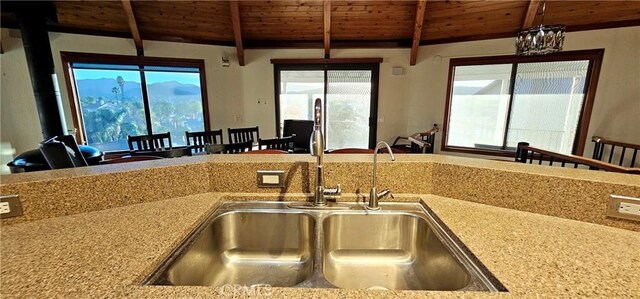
(327, 28)
(417, 30)
(133, 26)
(530, 14)
(237, 30)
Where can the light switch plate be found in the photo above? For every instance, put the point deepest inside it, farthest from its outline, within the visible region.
(270, 178)
(10, 206)
(624, 207)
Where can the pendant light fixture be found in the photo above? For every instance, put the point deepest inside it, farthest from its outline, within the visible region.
(541, 39)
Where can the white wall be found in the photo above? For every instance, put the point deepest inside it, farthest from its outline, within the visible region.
(19, 122)
(407, 103)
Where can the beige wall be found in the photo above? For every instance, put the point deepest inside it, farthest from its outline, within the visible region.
(616, 110)
(407, 103)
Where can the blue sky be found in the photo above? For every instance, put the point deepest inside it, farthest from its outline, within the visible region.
(134, 76)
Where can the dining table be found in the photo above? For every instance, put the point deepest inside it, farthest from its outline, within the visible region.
(173, 152)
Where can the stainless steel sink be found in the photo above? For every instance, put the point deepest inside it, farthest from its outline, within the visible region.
(246, 247)
(403, 246)
(390, 251)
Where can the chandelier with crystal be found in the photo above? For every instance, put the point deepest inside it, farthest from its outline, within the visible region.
(541, 39)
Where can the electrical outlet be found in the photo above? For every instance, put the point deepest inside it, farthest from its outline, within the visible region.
(624, 207)
(270, 178)
(10, 206)
(629, 208)
(4, 208)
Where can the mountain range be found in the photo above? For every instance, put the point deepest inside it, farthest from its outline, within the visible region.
(170, 90)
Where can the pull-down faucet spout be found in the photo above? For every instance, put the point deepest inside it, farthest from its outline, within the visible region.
(317, 150)
(374, 196)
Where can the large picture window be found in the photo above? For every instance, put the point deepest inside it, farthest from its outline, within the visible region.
(495, 102)
(116, 96)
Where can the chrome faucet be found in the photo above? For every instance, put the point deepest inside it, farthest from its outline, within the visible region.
(374, 196)
(317, 150)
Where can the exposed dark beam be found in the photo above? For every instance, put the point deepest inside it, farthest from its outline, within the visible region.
(530, 15)
(417, 30)
(237, 31)
(133, 26)
(327, 28)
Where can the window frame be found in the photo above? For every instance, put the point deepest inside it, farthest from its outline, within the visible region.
(68, 58)
(593, 73)
(368, 64)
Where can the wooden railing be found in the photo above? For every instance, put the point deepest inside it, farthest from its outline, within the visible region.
(602, 143)
(529, 154)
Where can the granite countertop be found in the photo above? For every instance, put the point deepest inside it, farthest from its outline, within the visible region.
(560, 172)
(107, 253)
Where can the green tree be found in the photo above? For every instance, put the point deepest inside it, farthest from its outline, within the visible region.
(115, 91)
(120, 81)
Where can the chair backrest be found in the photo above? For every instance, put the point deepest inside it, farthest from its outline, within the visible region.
(58, 155)
(71, 142)
(352, 151)
(302, 129)
(283, 144)
(149, 142)
(130, 159)
(239, 135)
(198, 140)
(230, 148)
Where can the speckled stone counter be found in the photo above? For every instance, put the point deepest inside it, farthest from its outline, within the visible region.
(107, 253)
(568, 193)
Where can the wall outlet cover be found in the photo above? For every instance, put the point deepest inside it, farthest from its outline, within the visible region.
(623, 207)
(10, 206)
(270, 179)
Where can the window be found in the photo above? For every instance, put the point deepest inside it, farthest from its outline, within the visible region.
(496, 102)
(117, 96)
(349, 96)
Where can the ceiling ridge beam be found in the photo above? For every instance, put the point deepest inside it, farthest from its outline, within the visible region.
(237, 30)
(531, 13)
(327, 28)
(133, 26)
(417, 30)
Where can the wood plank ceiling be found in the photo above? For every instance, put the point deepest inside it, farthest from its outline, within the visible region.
(304, 23)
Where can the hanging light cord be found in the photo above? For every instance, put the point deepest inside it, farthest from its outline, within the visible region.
(544, 7)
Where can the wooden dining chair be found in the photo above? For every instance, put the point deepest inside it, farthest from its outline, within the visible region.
(198, 140)
(149, 142)
(352, 150)
(230, 148)
(239, 135)
(283, 144)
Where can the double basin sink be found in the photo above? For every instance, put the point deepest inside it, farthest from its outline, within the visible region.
(403, 246)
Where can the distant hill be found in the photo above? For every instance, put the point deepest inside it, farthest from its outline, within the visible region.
(170, 90)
